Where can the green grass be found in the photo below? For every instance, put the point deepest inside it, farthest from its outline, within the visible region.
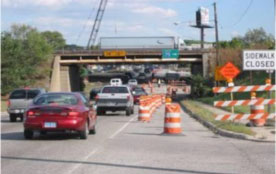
(209, 116)
(3, 106)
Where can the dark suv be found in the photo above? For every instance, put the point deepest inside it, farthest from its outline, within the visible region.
(19, 100)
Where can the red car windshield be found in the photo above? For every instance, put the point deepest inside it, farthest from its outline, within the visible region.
(58, 99)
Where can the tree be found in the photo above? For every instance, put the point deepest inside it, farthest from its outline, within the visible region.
(24, 50)
(55, 39)
(237, 42)
(258, 37)
(200, 86)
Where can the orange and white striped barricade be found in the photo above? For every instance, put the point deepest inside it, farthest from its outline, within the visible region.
(231, 117)
(257, 104)
(172, 122)
(144, 112)
(244, 88)
(259, 101)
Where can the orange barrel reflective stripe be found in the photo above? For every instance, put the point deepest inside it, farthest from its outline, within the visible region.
(258, 109)
(159, 99)
(172, 122)
(163, 99)
(152, 107)
(144, 113)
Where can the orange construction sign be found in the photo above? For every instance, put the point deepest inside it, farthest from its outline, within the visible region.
(229, 71)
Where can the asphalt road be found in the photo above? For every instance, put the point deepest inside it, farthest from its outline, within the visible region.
(124, 145)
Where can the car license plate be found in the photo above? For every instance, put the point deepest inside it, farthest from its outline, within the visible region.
(50, 125)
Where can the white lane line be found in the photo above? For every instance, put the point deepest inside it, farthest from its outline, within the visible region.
(85, 159)
(122, 128)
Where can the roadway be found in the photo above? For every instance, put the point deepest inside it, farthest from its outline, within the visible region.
(124, 145)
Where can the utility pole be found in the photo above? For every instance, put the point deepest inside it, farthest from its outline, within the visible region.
(217, 37)
(217, 40)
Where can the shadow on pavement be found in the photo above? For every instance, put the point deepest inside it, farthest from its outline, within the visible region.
(160, 134)
(112, 114)
(8, 121)
(51, 136)
(111, 165)
(144, 134)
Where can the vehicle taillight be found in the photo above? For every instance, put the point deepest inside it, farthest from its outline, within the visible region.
(30, 113)
(128, 97)
(33, 113)
(8, 103)
(72, 113)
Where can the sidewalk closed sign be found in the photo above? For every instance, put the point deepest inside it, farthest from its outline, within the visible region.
(259, 60)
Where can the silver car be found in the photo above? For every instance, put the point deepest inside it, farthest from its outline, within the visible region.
(19, 100)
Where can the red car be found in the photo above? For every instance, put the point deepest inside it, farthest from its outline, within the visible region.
(137, 92)
(52, 112)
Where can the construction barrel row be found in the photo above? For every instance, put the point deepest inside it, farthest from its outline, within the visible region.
(147, 106)
(172, 120)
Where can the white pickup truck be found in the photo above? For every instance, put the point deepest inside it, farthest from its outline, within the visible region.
(115, 98)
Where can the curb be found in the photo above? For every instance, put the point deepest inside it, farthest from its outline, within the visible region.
(221, 132)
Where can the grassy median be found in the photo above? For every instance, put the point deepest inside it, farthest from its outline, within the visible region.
(3, 106)
(209, 116)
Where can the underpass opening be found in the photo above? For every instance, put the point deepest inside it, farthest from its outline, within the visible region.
(147, 58)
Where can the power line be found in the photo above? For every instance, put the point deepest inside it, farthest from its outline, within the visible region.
(240, 18)
(86, 23)
(244, 13)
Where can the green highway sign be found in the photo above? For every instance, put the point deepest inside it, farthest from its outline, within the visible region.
(170, 54)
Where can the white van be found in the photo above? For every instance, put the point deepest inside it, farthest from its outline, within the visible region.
(116, 82)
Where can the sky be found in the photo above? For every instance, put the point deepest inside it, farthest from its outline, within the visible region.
(74, 18)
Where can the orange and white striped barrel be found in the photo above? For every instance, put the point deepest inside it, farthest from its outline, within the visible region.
(163, 99)
(144, 113)
(172, 121)
(155, 101)
(159, 100)
(258, 109)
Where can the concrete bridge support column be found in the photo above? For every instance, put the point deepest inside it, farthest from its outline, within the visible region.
(55, 77)
(205, 65)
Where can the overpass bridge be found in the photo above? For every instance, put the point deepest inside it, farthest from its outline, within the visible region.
(66, 76)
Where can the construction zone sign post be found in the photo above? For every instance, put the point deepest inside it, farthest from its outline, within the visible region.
(229, 71)
(260, 60)
(257, 114)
